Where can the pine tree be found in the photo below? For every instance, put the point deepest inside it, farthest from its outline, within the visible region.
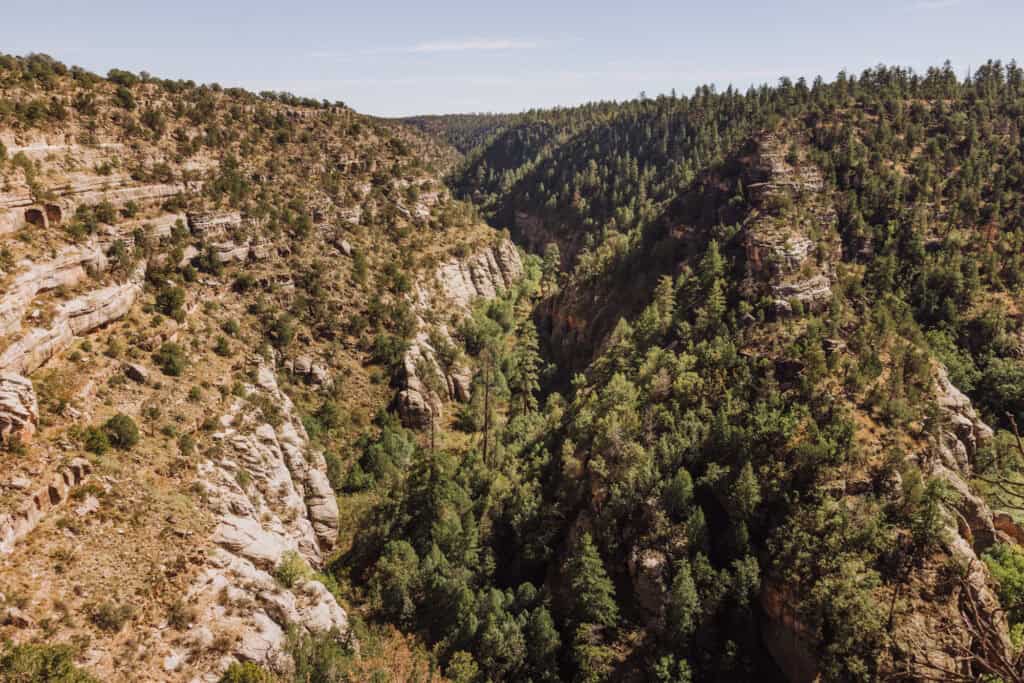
(592, 589)
(523, 380)
(684, 603)
(551, 266)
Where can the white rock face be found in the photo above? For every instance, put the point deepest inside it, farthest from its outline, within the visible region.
(962, 434)
(209, 224)
(66, 270)
(75, 317)
(18, 210)
(483, 275)
(459, 283)
(19, 411)
(782, 258)
(271, 497)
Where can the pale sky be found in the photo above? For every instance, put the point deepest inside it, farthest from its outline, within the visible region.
(401, 58)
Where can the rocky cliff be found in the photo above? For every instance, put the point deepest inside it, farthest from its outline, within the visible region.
(273, 507)
(456, 285)
(790, 238)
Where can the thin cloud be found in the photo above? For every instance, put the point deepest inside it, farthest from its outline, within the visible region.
(433, 47)
(935, 4)
(474, 44)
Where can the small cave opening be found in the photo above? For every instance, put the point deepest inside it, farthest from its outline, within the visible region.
(35, 217)
(53, 214)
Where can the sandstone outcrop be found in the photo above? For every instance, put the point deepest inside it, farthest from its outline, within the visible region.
(458, 283)
(19, 411)
(213, 223)
(791, 239)
(19, 209)
(483, 275)
(72, 318)
(33, 507)
(274, 505)
(67, 269)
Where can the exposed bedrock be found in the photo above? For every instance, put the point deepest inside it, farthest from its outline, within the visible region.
(19, 411)
(273, 504)
(40, 500)
(75, 317)
(457, 284)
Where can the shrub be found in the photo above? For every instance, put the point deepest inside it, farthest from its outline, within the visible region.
(389, 350)
(110, 617)
(124, 98)
(171, 359)
(231, 327)
(247, 673)
(335, 470)
(121, 431)
(282, 331)
(95, 440)
(290, 569)
(169, 301)
(180, 615)
(222, 348)
(243, 283)
(37, 663)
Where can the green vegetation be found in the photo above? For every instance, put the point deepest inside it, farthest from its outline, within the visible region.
(661, 444)
(171, 359)
(121, 431)
(36, 663)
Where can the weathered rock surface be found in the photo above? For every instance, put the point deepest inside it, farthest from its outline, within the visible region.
(72, 318)
(791, 255)
(483, 275)
(33, 507)
(272, 498)
(214, 224)
(18, 209)
(19, 411)
(69, 268)
(136, 373)
(785, 636)
(458, 284)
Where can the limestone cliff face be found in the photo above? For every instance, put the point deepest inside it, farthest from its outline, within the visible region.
(272, 501)
(791, 238)
(19, 209)
(456, 285)
(37, 500)
(72, 318)
(19, 410)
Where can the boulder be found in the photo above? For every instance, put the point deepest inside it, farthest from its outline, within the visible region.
(323, 508)
(318, 374)
(136, 373)
(414, 409)
(19, 410)
(302, 365)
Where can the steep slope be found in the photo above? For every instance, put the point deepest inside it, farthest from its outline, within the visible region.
(762, 459)
(179, 261)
